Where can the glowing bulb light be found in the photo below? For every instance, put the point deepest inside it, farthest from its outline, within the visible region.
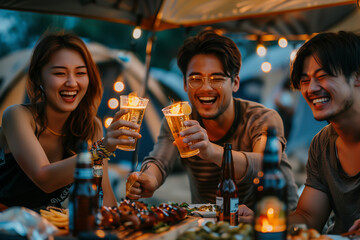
(108, 121)
(137, 32)
(266, 67)
(282, 42)
(261, 50)
(119, 86)
(113, 103)
(293, 54)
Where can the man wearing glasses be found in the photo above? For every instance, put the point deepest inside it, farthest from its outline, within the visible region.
(210, 64)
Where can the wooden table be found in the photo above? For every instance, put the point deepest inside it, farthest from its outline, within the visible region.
(174, 231)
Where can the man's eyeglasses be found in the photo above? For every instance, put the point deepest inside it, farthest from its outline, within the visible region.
(215, 81)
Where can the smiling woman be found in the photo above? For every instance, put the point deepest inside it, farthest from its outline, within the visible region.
(39, 139)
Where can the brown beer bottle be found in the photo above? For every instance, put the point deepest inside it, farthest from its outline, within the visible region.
(271, 194)
(227, 199)
(82, 194)
(97, 181)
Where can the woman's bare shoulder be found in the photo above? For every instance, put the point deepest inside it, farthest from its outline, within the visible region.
(13, 115)
(16, 113)
(16, 109)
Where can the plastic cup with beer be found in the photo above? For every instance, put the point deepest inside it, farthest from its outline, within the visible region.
(175, 115)
(136, 106)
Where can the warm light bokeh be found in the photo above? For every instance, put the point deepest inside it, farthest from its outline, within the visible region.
(113, 103)
(261, 50)
(282, 42)
(137, 32)
(108, 121)
(266, 67)
(119, 86)
(266, 227)
(270, 213)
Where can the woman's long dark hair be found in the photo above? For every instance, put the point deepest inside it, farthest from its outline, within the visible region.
(81, 124)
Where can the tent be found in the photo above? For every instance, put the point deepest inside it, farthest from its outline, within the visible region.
(291, 18)
(255, 18)
(157, 15)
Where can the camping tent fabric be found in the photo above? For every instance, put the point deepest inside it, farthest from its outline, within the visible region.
(158, 15)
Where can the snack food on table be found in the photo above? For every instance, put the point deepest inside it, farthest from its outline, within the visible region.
(306, 234)
(138, 215)
(206, 210)
(129, 214)
(57, 216)
(201, 207)
(219, 230)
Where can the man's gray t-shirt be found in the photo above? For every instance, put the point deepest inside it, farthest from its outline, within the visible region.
(324, 173)
(245, 131)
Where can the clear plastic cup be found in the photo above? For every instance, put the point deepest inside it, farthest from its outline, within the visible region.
(175, 117)
(136, 106)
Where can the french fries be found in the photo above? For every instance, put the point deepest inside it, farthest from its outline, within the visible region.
(59, 217)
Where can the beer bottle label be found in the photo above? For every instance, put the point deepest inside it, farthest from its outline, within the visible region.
(234, 204)
(83, 173)
(219, 208)
(270, 217)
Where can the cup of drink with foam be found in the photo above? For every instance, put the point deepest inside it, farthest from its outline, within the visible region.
(175, 115)
(136, 106)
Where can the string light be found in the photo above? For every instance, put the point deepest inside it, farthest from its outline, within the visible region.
(119, 86)
(282, 42)
(137, 32)
(113, 103)
(107, 122)
(266, 67)
(261, 50)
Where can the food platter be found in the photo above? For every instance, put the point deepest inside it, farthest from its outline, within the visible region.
(199, 217)
(202, 210)
(173, 232)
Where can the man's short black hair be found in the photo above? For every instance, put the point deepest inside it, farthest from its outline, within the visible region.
(209, 42)
(336, 53)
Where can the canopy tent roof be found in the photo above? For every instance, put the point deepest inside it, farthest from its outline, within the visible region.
(157, 15)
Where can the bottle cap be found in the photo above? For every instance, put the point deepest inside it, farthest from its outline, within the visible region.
(227, 146)
(82, 146)
(271, 131)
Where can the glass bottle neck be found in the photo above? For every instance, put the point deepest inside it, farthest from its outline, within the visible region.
(228, 166)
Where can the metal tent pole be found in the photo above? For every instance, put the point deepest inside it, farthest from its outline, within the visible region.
(143, 93)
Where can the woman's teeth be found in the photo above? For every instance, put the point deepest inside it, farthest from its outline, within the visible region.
(321, 100)
(68, 93)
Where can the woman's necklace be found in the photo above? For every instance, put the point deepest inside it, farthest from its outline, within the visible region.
(55, 133)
